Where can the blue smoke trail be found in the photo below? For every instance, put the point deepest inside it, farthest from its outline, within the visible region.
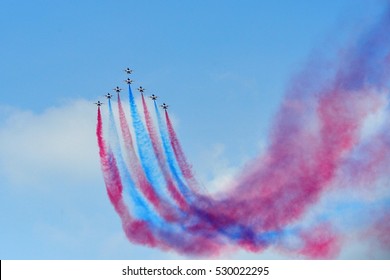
(147, 157)
(141, 208)
(145, 149)
(173, 165)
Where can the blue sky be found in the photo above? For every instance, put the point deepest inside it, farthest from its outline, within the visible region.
(221, 65)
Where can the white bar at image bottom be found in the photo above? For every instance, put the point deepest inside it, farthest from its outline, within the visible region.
(194, 269)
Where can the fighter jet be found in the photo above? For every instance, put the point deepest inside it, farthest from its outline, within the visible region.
(128, 70)
(128, 81)
(141, 89)
(98, 103)
(117, 89)
(153, 97)
(108, 95)
(164, 106)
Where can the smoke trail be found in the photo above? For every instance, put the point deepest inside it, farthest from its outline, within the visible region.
(141, 209)
(152, 133)
(185, 168)
(176, 195)
(140, 231)
(136, 231)
(150, 165)
(282, 185)
(290, 178)
(202, 222)
(366, 64)
(169, 234)
(145, 151)
(110, 172)
(207, 222)
(175, 170)
(132, 159)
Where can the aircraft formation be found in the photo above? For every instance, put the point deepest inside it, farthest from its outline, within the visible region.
(129, 81)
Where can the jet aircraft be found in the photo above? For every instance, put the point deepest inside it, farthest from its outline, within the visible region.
(117, 90)
(128, 70)
(128, 81)
(141, 89)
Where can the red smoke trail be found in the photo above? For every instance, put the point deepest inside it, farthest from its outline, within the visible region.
(370, 159)
(137, 172)
(300, 166)
(364, 171)
(136, 231)
(153, 134)
(320, 242)
(111, 174)
(277, 189)
(185, 167)
(172, 188)
(284, 183)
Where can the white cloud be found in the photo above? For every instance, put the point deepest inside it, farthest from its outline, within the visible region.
(376, 120)
(217, 172)
(56, 145)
